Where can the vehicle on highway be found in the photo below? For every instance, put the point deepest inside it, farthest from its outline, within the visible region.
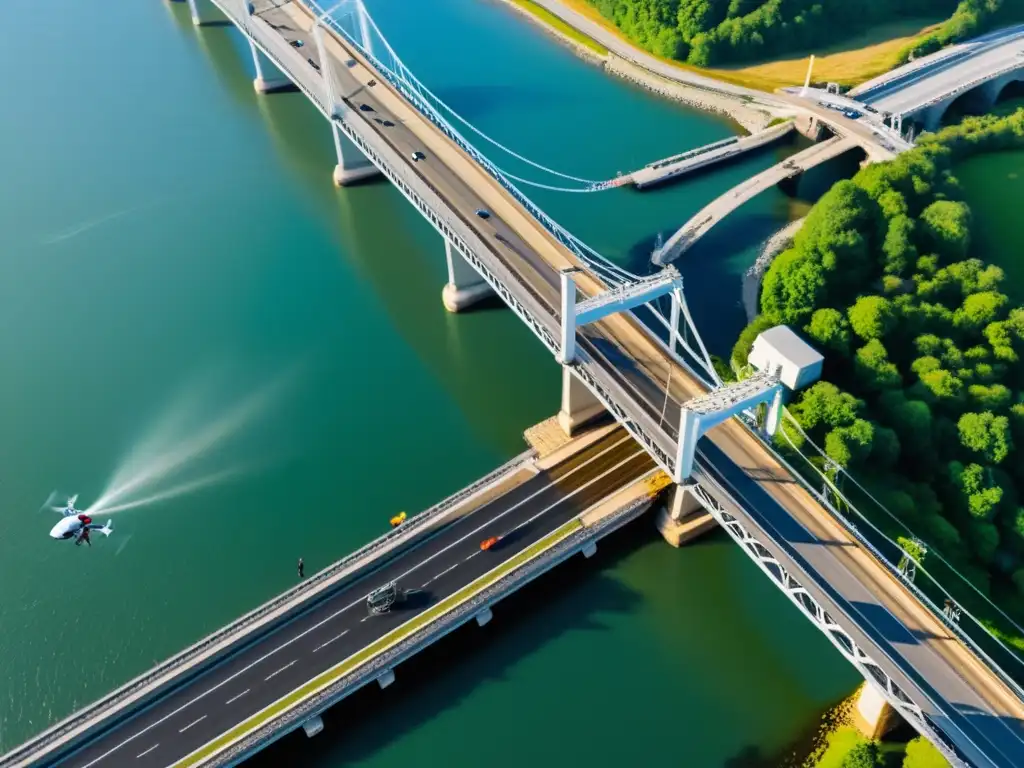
(387, 124)
(853, 114)
(296, 43)
(417, 155)
(76, 524)
(489, 542)
(313, 64)
(365, 108)
(382, 599)
(483, 214)
(350, 63)
(371, 84)
(398, 519)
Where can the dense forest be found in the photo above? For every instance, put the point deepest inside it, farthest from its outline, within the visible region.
(716, 32)
(922, 388)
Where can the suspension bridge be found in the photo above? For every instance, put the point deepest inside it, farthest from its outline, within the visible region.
(630, 353)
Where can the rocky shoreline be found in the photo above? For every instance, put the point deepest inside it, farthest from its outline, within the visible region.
(752, 278)
(746, 112)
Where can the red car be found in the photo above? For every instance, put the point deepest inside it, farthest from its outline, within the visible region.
(488, 543)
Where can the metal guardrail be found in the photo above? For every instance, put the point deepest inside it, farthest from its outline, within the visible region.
(413, 525)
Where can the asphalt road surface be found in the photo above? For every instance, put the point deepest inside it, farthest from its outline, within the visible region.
(340, 625)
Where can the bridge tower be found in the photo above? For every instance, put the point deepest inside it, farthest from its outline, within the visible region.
(781, 358)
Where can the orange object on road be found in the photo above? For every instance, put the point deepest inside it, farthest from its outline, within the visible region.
(398, 519)
(488, 543)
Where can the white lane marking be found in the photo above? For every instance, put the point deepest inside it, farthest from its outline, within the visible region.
(363, 619)
(236, 698)
(475, 553)
(324, 645)
(425, 584)
(446, 570)
(143, 754)
(340, 611)
(194, 722)
(282, 669)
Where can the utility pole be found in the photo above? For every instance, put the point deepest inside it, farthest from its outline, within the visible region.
(807, 80)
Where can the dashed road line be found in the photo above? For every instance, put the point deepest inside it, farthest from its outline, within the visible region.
(236, 698)
(143, 754)
(282, 669)
(194, 722)
(324, 645)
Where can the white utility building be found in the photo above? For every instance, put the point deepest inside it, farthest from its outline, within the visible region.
(780, 347)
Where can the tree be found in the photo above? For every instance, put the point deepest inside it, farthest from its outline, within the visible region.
(850, 445)
(978, 310)
(942, 386)
(926, 364)
(885, 448)
(863, 755)
(989, 398)
(873, 368)
(946, 229)
(981, 497)
(792, 287)
(898, 249)
(872, 317)
(823, 403)
(984, 540)
(986, 434)
(912, 419)
(830, 328)
(741, 350)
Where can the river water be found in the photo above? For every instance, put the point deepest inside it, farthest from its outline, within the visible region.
(187, 303)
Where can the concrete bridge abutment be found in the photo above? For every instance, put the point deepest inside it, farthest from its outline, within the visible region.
(872, 714)
(579, 405)
(810, 126)
(353, 166)
(465, 286)
(683, 518)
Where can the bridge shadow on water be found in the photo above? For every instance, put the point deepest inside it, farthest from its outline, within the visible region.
(571, 597)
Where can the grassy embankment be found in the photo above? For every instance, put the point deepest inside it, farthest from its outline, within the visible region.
(858, 59)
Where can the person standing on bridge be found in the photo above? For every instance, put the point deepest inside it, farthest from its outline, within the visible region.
(302, 569)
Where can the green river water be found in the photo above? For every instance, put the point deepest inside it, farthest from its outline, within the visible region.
(187, 302)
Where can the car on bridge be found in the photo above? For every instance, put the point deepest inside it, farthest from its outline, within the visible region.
(488, 543)
(483, 214)
(417, 155)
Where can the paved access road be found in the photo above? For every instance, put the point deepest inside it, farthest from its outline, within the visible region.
(339, 625)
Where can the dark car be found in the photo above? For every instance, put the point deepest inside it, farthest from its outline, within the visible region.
(366, 108)
(313, 64)
(296, 43)
(417, 155)
(482, 213)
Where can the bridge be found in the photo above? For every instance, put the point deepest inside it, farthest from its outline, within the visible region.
(975, 71)
(704, 157)
(660, 387)
(710, 215)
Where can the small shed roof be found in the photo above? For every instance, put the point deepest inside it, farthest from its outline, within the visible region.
(794, 349)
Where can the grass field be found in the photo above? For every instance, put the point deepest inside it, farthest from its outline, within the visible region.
(853, 61)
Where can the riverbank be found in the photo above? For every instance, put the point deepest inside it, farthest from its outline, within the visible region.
(745, 107)
(752, 278)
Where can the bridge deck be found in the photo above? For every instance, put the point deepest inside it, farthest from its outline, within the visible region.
(335, 635)
(704, 157)
(710, 215)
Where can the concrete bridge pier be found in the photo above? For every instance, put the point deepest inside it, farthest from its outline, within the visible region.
(683, 518)
(269, 79)
(465, 287)
(353, 166)
(313, 726)
(810, 126)
(872, 713)
(579, 405)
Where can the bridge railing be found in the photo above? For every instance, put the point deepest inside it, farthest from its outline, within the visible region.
(889, 554)
(413, 526)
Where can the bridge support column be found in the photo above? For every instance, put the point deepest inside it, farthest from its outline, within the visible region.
(265, 82)
(931, 118)
(872, 714)
(386, 678)
(589, 549)
(484, 616)
(313, 726)
(579, 405)
(683, 518)
(465, 286)
(353, 166)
